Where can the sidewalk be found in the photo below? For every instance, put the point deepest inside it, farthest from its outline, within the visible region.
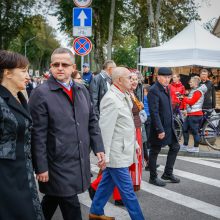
(204, 151)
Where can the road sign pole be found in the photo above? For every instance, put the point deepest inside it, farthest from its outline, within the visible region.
(82, 61)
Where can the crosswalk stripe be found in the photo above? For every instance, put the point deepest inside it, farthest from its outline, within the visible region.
(177, 198)
(195, 177)
(200, 161)
(180, 199)
(109, 208)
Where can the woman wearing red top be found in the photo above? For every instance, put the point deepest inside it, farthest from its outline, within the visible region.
(176, 88)
(193, 104)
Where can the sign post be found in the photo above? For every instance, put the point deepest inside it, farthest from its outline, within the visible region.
(82, 27)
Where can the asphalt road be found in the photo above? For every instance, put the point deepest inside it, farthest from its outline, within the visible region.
(197, 197)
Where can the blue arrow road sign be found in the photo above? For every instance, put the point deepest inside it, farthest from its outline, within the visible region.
(82, 17)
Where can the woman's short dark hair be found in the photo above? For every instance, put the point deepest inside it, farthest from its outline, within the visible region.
(11, 60)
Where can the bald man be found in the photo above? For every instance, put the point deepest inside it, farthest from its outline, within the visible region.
(118, 133)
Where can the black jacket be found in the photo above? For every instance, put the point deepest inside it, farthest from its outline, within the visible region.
(210, 97)
(161, 116)
(18, 191)
(98, 88)
(62, 135)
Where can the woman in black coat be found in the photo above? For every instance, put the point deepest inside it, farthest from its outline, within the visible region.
(18, 192)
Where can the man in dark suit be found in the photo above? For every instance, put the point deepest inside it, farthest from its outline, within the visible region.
(162, 131)
(100, 84)
(64, 129)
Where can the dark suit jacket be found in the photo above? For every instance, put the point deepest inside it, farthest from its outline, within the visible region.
(61, 137)
(161, 115)
(98, 88)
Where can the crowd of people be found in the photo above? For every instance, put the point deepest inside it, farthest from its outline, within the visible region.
(123, 121)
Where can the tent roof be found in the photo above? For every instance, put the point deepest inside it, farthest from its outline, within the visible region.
(192, 46)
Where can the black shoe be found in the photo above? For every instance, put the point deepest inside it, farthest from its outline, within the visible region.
(119, 203)
(157, 182)
(148, 169)
(172, 178)
(91, 192)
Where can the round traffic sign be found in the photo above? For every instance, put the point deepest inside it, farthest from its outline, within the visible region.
(82, 46)
(82, 3)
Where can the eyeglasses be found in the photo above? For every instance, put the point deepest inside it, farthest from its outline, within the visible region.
(64, 65)
(78, 78)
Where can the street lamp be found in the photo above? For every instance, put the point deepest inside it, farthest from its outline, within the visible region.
(25, 45)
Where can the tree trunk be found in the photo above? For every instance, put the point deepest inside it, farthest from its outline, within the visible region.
(111, 30)
(153, 19)
(157, 17)
(151, 23)
(98, 47)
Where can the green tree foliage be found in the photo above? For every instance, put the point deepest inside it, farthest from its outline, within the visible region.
(40, 48)
(101, 13)
(130, 22)
(124, 53)
(12, 14)
(175, 15)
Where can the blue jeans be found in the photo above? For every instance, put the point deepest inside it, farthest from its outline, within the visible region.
(121, 178)
(192, 123)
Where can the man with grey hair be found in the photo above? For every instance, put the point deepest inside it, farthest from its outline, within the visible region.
(210, 96)
(118, 133)
(100, 84)
(64, 128)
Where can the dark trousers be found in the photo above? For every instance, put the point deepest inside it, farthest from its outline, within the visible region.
(69, 206)
(192, 123)
(146, 145)
(171, 158)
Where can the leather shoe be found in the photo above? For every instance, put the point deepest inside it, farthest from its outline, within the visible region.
(91, 192)
(157, 182)
(119, 203)
(100, 217)
(171, 177)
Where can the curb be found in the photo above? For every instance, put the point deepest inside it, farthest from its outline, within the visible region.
(215, 154)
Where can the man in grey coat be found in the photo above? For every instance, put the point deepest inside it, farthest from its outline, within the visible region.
(64, 128)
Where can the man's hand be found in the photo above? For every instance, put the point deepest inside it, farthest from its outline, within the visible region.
(101, 160)
(161, 135)
(43, 177)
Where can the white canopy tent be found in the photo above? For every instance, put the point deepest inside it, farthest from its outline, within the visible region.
(192, 46)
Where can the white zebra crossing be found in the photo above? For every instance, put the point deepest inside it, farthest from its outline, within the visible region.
(194, 177)
(119, 212)
(199, 161)
(178, 198)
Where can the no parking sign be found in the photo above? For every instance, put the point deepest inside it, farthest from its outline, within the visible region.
(82, 46)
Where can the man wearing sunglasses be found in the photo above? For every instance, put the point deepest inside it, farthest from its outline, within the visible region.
(64, 128)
